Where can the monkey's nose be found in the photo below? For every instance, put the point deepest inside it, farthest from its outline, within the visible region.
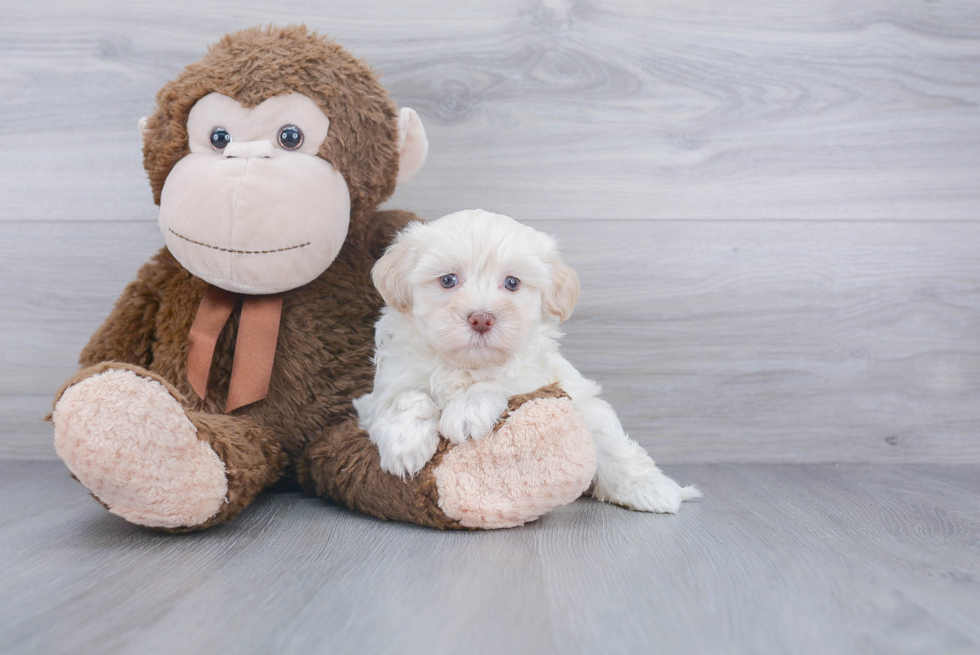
(248, 149)
(481, 321)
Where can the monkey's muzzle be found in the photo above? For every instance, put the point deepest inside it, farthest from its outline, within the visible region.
(255, 219)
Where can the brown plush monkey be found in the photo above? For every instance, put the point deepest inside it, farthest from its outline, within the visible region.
(230, 363)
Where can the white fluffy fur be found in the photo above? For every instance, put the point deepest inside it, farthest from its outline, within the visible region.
(437, 375)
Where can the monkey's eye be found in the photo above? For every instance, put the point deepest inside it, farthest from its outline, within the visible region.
(220, 138)
(448, 281)
(290, 137)
(511, 283)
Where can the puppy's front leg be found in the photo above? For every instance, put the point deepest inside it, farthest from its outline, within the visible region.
(406, 433)
(472, 415)
(625, 474)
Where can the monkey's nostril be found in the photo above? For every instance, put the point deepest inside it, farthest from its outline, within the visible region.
(248, 149)
(481, 321)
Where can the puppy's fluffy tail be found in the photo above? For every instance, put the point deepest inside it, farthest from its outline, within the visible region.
(689, 492)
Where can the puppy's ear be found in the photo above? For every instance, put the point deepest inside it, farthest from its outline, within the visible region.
(391, 274)
(560, 298)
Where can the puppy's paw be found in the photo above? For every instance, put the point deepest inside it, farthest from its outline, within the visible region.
(471, 417)
(406, 432)
(651, 492)
(406, 435)
(407, 446)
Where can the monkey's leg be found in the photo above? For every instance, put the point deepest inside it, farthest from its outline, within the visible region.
(125, 434)
(539, 457)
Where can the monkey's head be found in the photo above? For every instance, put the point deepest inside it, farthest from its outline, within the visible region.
(263, 153)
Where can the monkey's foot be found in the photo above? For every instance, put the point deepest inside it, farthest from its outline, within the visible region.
(127, 439)
(539, 458)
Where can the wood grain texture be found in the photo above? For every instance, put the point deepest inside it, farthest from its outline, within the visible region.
(775, 559)
(824, 340)
(546, 108)
(722, 341)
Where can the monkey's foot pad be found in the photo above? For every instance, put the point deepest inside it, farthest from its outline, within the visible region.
(128, 440)
(540, 458)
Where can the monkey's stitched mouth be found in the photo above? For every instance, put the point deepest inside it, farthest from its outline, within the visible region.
(238, 252)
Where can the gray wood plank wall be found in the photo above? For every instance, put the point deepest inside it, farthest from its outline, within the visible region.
(773, 207)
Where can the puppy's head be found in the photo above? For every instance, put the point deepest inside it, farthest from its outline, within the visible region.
(478, 284)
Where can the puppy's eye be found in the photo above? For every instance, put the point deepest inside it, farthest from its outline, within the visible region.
(220, 138)
(511, 283)
(448, 281)
(290, 137)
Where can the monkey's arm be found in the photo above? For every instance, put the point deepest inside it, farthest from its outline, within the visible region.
(128, 333)
(384, 225)
(539, 457)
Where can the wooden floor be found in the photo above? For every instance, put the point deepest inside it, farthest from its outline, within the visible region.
(775, 559)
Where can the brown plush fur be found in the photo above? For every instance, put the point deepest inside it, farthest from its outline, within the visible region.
(346, 468)
(553, 390)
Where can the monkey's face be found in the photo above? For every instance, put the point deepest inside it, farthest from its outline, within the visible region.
(246, 201)
(252, 208)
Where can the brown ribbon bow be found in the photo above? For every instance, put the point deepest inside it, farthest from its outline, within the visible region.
(255, 347)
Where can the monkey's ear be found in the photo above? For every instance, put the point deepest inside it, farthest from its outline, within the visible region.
(413, 146)
(560, 297)
(142, 125)
(392, 273)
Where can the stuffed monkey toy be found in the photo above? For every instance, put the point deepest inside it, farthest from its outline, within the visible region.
(230, 363)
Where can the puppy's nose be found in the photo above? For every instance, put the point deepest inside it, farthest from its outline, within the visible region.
(481, 321)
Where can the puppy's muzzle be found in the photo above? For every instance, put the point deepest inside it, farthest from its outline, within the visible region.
(481, 322)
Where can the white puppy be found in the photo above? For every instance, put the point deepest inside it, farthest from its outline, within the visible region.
(474, 302)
